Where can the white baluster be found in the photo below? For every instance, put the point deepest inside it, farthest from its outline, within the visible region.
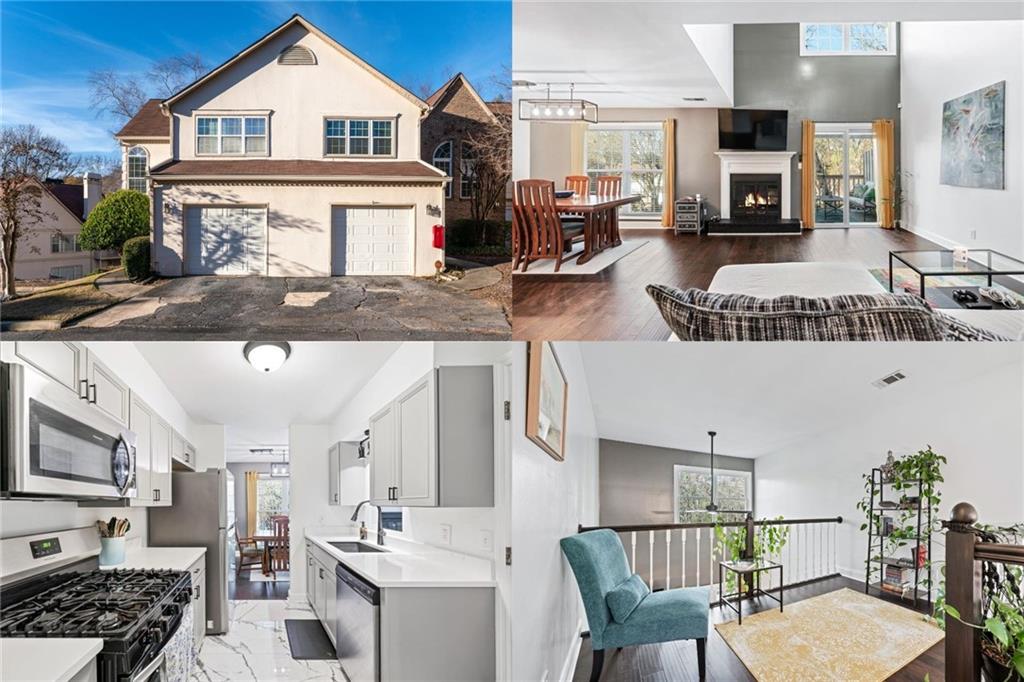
(650, 559)
(682, 552)
(668, 559)
(632, 551)
(698, 555)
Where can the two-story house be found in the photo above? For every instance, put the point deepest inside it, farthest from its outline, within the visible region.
(457, 113)
(293, 158)
(48, 245)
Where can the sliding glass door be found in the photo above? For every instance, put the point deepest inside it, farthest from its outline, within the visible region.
(844, 175)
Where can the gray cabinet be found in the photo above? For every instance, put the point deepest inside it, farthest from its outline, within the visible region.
(433, 446)
(197, 572)
(320, 586)
(334, 474)
(152, 455)
(346, 475)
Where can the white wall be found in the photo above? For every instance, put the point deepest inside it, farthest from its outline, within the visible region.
(307, 447)
(976, 425)
(715, 44)
(940, 61)
(549, 500)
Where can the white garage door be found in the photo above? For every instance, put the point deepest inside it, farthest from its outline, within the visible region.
(226, 241)
(371, 241)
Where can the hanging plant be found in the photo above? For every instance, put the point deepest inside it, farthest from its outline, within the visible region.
(769, 539)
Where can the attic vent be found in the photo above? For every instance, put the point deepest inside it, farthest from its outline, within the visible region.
(297, 55)
(889, 379)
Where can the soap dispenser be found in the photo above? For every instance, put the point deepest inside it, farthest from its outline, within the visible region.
(362, 530)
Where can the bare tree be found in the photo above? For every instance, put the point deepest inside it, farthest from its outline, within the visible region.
(26, 156)
(114, 94)
(489, 165)
(173, 73)
(501, 82)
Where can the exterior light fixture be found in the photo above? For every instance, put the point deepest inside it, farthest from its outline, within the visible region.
(558, 110)
(266, 356)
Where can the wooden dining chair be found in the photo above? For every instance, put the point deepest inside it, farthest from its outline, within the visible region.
(609, 185)
(579, 184)
(279, 549)
(249, 554)
(541, 230)
(607, 225)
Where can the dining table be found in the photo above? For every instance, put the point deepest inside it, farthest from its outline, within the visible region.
(600, 219)
(266, 539)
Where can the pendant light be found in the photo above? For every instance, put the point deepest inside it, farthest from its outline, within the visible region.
(558, 110)
(280, 469)
(712, 508)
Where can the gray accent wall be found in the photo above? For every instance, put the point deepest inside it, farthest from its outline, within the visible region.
(771, 74)
(636, 480)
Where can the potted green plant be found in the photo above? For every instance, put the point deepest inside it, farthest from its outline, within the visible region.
(769, 539)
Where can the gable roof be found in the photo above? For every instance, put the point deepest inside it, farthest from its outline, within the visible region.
(301, 21)
(149, 121)
(458, 79)
(71, 197)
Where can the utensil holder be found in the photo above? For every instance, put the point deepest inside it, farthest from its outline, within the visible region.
(111, 551)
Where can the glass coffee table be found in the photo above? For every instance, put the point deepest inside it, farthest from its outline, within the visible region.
(751, 572)
(940, 263)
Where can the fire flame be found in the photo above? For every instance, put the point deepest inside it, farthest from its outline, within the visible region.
(755, 200)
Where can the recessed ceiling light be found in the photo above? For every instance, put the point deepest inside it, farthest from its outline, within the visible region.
(266, 356)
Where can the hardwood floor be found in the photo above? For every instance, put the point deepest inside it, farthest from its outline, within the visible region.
(242, 587)
(677, 661)
(612, 305)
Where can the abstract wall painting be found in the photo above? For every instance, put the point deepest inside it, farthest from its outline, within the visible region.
(973, 138)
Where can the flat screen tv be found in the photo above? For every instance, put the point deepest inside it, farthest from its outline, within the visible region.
(752, 129)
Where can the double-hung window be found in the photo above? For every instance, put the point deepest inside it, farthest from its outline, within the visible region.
(692, 487)
(634, 151)
(231, 135)
(868, 38)
(359, 137)
(138, 167)
(467, 171)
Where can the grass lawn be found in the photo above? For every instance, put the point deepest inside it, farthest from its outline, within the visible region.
(64, 301)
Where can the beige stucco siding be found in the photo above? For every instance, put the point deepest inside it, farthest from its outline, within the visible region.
(158, 150)
(298, 99)
(298, 220)
(33, 259)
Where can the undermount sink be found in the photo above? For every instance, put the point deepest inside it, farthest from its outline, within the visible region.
(355, 547)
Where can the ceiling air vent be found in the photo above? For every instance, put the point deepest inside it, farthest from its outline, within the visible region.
(889, 379)
(695, 99)
(297, 55)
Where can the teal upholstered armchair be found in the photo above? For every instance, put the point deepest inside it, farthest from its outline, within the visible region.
(621, 611)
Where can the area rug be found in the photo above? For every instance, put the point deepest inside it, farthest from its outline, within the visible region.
(591, 267)
(906, 280)
(843, 635)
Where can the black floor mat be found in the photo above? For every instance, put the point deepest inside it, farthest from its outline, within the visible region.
(308, 641)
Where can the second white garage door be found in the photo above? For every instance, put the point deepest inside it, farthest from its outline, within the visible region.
(226, 240)
(371, 241)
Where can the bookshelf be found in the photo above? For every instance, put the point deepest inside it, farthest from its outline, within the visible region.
(899, 576)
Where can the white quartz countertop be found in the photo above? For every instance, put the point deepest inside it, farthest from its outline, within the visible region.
(410, 564)
(146, 558)
(57, 659)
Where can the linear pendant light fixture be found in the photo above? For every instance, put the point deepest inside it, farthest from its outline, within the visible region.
(558, 110)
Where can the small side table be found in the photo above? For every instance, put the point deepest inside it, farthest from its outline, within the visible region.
(751, 570)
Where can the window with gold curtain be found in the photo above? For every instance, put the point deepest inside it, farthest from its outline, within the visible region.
(884, 130)
(807, 174)
(669, 178)
(251, 478)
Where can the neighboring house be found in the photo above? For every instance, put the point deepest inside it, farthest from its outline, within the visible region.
(49, 248)
(293, 158)
(456, 113)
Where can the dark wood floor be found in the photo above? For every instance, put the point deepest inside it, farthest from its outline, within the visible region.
(613, 305)
(677, 661)
(242, 587)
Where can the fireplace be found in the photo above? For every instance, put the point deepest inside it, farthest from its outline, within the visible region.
(755, 197)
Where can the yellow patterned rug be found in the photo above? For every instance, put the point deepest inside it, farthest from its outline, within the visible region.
(843, 635)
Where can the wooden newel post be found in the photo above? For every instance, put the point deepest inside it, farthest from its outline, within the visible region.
(963, 592)
(748, 551)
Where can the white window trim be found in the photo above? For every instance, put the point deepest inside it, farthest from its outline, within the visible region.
(220, 134)
(679, 468)
(846, 51)
(128, 167)
(846, 129)
(626, 211)
(434, 160)
(369, 137)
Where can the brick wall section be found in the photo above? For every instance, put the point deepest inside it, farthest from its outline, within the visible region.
(453, 118)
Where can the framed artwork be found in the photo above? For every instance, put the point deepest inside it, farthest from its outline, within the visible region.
(973, 138)
(547, 399)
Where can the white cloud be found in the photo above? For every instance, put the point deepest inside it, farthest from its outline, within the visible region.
(60, 111)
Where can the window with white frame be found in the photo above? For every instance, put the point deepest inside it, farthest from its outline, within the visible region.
(272, 499)
(138, 168)
(636, 153)
(359, 137)
(442, 160)
(64, 243)
(231, 135)
(467, 170)
(692, 493)
(867, 38)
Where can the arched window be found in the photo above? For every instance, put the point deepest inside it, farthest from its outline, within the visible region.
(138, 168)
(443, 161)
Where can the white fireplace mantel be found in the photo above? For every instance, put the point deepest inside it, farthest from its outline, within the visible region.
(756, 162)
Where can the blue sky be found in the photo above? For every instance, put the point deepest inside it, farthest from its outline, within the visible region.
(49, 48)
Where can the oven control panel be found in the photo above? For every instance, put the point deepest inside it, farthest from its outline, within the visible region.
(44, 547)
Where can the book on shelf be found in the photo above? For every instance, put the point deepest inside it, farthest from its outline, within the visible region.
(901, 561)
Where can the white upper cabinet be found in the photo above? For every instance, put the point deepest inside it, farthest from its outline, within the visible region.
(433, 445)
(61, 361)
(160, 476)
(104, 390)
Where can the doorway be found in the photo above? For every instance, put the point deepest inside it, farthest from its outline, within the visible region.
(262, 505)
(845, 169)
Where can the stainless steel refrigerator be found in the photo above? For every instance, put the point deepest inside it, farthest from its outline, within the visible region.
(202, 516)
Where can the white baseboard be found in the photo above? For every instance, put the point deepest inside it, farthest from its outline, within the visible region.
(569, 664)
(942, 241)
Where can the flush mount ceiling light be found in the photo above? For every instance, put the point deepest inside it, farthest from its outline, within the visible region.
(558, 110)
(266, 356)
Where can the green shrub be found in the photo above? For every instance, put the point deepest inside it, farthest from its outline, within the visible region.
(116, 219)
(135, 257)
(466, 232)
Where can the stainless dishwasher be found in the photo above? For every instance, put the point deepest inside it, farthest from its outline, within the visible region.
(357, 626)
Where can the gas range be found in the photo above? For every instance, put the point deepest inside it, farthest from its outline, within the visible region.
(137, 613)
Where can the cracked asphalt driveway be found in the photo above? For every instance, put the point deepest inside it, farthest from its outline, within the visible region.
(306, 308)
